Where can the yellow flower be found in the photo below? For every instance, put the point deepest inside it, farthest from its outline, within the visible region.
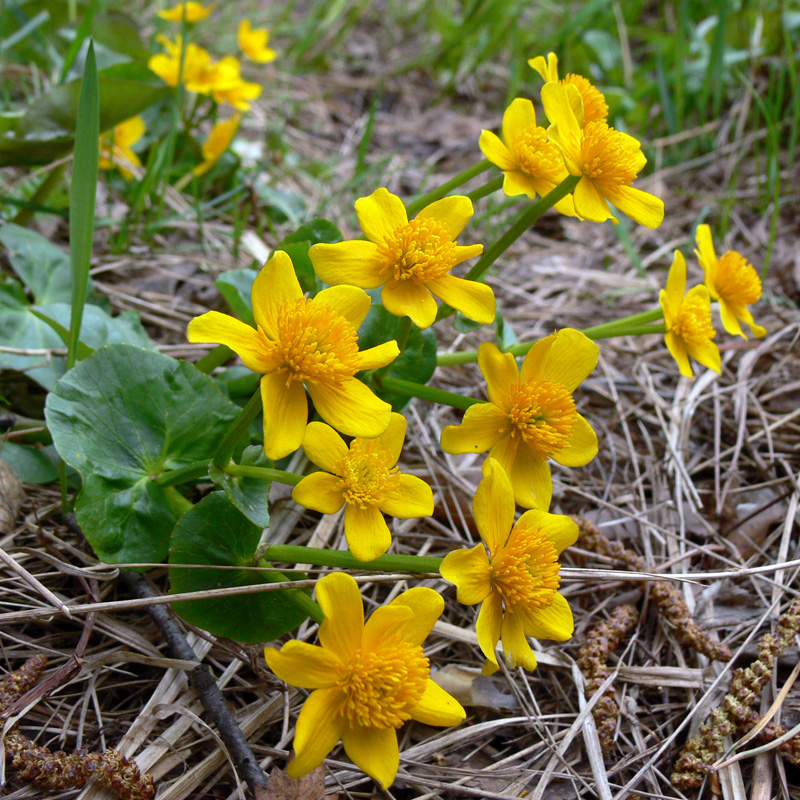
(190, 10)
(253, 43)
(594, 103)
(688, 320)
(531, 416)
(517, 582)
(532, 165)
(410, 260)
(299, 341)
(115, 146)
(733, 281)
(228, 86)
(367, 679)
(198, 67)
(365, 478)
(219, 140)
(606, 160)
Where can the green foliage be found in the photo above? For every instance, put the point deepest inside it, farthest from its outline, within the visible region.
(249, 495)
(122, 418)
(214, 534)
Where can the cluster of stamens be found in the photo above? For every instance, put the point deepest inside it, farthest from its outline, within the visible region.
(525, 571)
(693, 321)
(380, 687)
(736, 279)
(365, 479)
(537, 156)
(314, 343)
(608, 156)
(542, 415)
(419, 250)
(594, 104)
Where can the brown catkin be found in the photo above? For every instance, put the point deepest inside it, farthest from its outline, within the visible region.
(592, 661)
(668, 600)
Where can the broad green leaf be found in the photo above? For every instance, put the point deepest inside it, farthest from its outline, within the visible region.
(215, 534)
(121, 418)
(249, 495)
(297, 245)
(39, 264)
(464, 324)
(416, 363)
(235, 287)
(31, 464)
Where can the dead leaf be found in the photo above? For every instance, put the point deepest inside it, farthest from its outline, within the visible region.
(471, 688)
(281, 787)
(11, 495)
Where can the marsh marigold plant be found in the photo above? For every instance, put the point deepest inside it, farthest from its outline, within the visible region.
(410, 259)
(531, 415)
(116, 144)
(732, 281)
(364, 478)
(300, 343)
(367, 679)
(687, 317)
(513, 573)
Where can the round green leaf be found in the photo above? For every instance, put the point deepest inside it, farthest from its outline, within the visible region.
(214, 534)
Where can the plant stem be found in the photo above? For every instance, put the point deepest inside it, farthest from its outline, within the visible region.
(190, 472)
(486, 189)
(298, 596)
(265, 473)
(237, 430)
(437, 194)
(297, 554)
(610, 328)
(411, 389)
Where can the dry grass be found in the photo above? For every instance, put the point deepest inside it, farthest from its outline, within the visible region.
(700, 478)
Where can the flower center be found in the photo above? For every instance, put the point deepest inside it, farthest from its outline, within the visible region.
(419, 250)
(538, 156)
(737, 280)
(608, 156)
(693, 321)
(314, 344)
(365, 479)
(380, 688)
(543, 415)
(526, 570)
(594, 103)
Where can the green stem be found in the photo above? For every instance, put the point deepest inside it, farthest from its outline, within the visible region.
(610, 328)
(265, 473)
(486, 189)
(411, 389)
(297, 554)
(437, 194)
(214, 358)
(178, 503)
(297, 596)
(190, 472)
(524, 221)
(237, 430)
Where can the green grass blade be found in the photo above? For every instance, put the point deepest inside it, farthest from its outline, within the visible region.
(82, 196)
(84, 29)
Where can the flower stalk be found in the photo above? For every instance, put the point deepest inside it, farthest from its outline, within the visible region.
(344, 559)
(447, 187)
(237, 430)
(411, 389)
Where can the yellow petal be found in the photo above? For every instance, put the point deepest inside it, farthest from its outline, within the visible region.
(501, 373)
(533, 485)
(493, 505)
(547, 69)
(677, 348)
(355, 263)
(349, 301)
(240, 337)
(351, 408)
(366, 531)
(581, 448)
(707, 354)
(566, 357)
(389, 445)
(410, 299)
(495, 151)
(559, 110)
(285, 415)
(324, 447)
(516, 649)
(413, 498)
(437, 707)
(518, 117)
(317, 731)
(320, 492)
(378, 356)
(705, 253)
(470, 572)
(730, 319)
(375, 751)
(474, 300)
(380, 214)
(482, 427)
(426, 606)
(275, 287)
(516, 183)
(590, 203)
(455, 211)
(641, 207)
(553, 622)
(340, 601)
(488, 627)
(561, 530)
(385, 623)
(676, 281)
(304, 665)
